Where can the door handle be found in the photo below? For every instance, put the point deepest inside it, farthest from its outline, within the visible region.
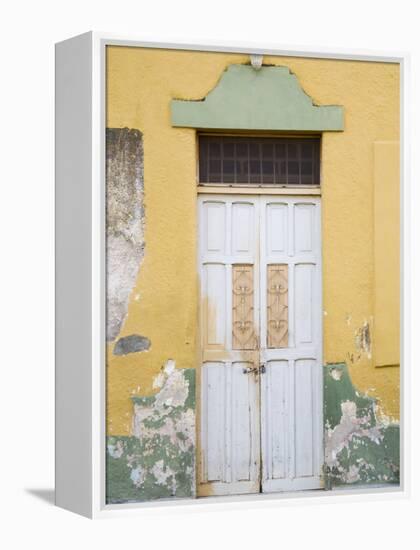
(248, 370)
(255, 370)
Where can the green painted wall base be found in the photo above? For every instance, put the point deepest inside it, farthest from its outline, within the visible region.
(360, 447)
(158, 461)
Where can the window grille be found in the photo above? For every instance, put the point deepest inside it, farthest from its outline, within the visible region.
(259, 161)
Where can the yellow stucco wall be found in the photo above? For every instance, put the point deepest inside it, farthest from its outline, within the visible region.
(163, 305)
(386, 254)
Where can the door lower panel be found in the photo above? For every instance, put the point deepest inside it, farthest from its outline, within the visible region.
(229, 429)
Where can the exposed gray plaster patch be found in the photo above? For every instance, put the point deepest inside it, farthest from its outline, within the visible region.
(158, 460)
(350, 426)
(363, 340)
(361, 445)
(131, 344)
(124, 221)
(336, 374)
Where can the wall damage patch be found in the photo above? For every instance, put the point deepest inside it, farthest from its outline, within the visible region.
(131, 344)
(124, 221)
(362, 339)
(158, 460)
(360, 446)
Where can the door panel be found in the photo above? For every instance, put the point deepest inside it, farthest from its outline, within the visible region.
(214, 406)
(229, 430)
(243, 228)
(305, 305)
(214, 326)
(304, 433)
(277, 228)
(214, 234)
(260, 303)
(229, 326)
(291, 419)
(275, 398)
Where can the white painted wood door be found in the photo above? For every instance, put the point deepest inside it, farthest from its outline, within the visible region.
(291, 387)
(260, 323)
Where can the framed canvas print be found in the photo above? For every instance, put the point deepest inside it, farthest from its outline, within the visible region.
(228, 273)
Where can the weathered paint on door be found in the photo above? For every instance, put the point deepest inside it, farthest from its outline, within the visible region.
(291, 387)
(230, 423)
(260, 319)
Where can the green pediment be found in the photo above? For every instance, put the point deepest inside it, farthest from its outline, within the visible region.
(270, 98)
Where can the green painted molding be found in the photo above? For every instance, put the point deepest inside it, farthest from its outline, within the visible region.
(247, 99)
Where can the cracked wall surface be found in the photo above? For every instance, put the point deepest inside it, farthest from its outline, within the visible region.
(361, 445)
(158, 459)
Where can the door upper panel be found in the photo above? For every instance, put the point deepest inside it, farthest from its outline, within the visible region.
(229, 275)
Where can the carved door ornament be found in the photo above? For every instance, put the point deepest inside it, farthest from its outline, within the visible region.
(243, 307)
(277, 306)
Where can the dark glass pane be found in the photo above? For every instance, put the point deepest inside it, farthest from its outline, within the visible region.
(306, 173)
(292, 150)
(292, 172)
(254, 149)
(214, 149)
(203, 164)
(306, 168)
(252, 160)
(268, 171)
(228, 149)
(280, 150)
(255, 167)
(255, 171)
(215, 171)
(241, 149)
(228, 171)
(306, 150)
(281, 172)
(268, 167)
(267, 150)
(242, 171)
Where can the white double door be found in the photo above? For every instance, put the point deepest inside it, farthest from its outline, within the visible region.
(261, 344)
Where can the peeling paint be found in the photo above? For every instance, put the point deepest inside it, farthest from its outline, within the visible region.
(362, 339)
(336, 374)
(158, 460)
(360, 445)
(124, 221)
(162, 472)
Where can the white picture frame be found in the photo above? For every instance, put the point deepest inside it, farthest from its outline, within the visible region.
(80, 272)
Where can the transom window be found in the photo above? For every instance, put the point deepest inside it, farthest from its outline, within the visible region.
(259, 161)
